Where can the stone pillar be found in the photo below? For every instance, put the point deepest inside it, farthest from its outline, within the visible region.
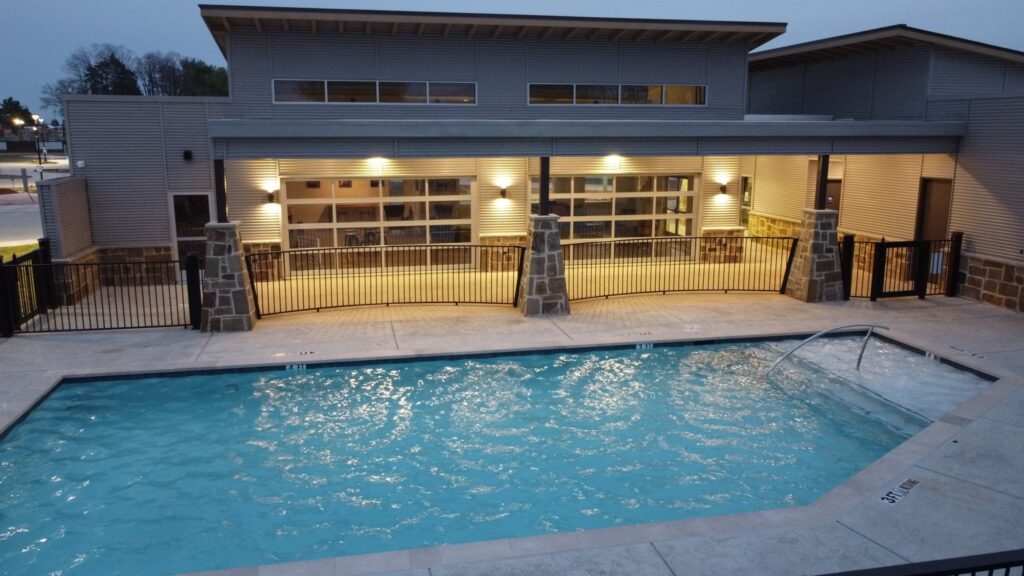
(816, 275)
(227, 302)
(543, 290)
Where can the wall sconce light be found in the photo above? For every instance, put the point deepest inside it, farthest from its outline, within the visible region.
(187, 155)
(504, 193)
(722, 189)
(272, 197)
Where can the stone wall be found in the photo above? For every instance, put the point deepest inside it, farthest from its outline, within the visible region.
(816, 275)
(543, 291)
(501, 260)
(761, 225)
(266, 269)
(992, 282)
(717, 245)
(143, 266)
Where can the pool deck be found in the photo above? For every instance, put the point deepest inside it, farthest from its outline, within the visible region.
(969, 465)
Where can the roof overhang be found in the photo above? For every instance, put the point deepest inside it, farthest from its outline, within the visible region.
(898, 36)
(492, 129)
(223, 19)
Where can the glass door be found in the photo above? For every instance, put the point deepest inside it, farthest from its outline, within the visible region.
(191, 214)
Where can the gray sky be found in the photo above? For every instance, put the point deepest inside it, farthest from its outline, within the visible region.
(38, 35)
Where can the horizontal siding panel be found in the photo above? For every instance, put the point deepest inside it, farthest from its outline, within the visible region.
(72, 202)
(938, 166)
(880, 195)
(959, 73)
(936, 145)
(657, 63)
(988, 192)
(125, 167)
(556, 61)
(309, 56)
(247, 183)
(184, 126)
(781, 146)
(424, 59)
(465, 147)
(623, 146)
(900, 83)
(841, 87)
(719, 210)
(777, 91)
(949, 110)
(365, 168)
(667, 165)
(780, 186)
(307, 148)
(498, 216)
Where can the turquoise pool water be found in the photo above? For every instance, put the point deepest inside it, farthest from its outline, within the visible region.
(172, 474)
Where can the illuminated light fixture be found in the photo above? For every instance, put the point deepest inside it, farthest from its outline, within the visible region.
(722, 189)
(272, 197)
(378, 162)
(613, 162)
(504, 193)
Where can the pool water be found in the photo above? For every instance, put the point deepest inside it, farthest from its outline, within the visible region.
(174, 474)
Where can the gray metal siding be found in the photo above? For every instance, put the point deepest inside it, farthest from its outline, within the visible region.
(501, 68)
(184, 125)
(901, 81)
(988, 192)
(842, 88)
(122, 144)
(71, 200)
(248, 182)
(958, 73)
(777, 91)
(780, 186)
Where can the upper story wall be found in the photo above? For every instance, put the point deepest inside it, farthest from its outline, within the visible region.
(502, 69)
(883, 85)
(919, 82)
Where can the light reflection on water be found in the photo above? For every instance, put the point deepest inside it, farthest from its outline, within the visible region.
(242, 469)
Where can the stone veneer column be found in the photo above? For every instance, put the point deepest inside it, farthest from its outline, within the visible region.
(543, 290)
(227, 302)
(816, 275)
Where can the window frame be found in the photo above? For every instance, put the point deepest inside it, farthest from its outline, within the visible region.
(659, 105)
(376, 83)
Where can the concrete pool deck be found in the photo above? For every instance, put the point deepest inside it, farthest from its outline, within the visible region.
(969, 465)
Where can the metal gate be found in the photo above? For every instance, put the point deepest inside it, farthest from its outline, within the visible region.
(896, 269)
(38, 295)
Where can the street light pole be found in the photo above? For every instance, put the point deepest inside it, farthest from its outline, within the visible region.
(39, 148)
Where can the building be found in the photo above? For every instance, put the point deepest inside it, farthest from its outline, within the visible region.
(373, 128)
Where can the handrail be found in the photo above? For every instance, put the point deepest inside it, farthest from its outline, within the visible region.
(863, 345)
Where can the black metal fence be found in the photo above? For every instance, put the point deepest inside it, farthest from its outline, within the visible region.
(682, 264)
(1008, 563)
(37, 295)
(316, 279)
(890, 269)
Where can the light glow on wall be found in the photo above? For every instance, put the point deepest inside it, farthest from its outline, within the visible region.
(270, 185)
(613, 162)
(377, 165)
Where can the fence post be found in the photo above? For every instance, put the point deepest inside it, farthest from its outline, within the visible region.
(193, 289)
(521, 251)
(43, 276)
(922, 263)
(6, 313)
(252, 282)
(789, 265)
(878, 270)
(956, 242)
(846, 263)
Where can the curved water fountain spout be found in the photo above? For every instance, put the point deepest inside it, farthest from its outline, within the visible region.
(863, 344)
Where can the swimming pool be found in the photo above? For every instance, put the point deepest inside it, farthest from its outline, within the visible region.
(179, 473)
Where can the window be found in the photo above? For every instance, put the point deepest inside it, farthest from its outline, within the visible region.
(595, 207)
(650, 94)
(597, 94)
(191, 214)
(403, 92)
(551, 94)
(684, 95)
(452, 93)
(299, 91)
(351, 91)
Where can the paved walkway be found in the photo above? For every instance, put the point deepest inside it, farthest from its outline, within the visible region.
(970, 464)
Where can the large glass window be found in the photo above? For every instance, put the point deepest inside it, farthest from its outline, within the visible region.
(645, 94)
(298, 90)
(403, 92)
(597, 94)
(351, 91)
(452, 93)
(551, 93)
(685, 95)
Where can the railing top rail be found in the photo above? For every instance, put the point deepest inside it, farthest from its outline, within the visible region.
(378, 247)
(673, 239)
(26, 258)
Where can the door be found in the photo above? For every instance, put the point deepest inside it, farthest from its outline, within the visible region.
(833, 195)
(191, 214)
(933, 209)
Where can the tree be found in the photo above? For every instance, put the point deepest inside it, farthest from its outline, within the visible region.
(201, 79)
(111, 75)
(11, 109)
(160, 73)
(54, 93)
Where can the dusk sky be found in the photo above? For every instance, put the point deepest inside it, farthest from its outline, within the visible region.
(37, 36)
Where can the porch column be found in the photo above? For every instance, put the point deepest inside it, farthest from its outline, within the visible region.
(816, 275)
(545, 186)
(227, 300)
(543, 290)
(220, 191)
(821, 186)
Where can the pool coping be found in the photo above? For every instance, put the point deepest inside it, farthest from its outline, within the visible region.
(876, 479)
